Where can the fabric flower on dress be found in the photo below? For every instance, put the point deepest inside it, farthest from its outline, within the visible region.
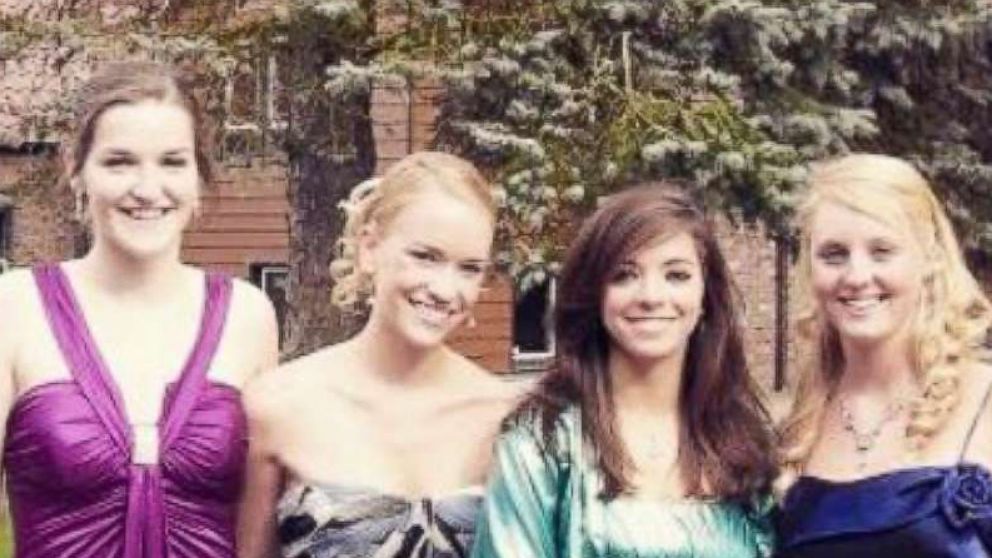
(966, 495)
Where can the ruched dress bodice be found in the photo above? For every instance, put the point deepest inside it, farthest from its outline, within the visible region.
(922, 512)
(543, 501)
(319, 520)
(74, 489)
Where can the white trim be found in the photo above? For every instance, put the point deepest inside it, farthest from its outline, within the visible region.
(269, 270)
(263, 106)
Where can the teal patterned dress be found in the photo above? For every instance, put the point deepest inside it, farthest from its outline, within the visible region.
(543, 502)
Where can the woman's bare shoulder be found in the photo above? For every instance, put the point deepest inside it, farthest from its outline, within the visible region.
(279, 391)
(15, 284)
(486, 387)
(18, 297)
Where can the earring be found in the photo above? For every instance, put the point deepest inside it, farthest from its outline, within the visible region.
(80, 202)
(470, 321)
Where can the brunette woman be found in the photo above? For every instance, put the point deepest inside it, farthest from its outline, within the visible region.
(648, 437)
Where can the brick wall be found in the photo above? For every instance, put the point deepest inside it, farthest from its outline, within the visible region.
(41, 223)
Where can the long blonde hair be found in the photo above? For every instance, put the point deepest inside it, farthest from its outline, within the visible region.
(377, 201)
(950, 323)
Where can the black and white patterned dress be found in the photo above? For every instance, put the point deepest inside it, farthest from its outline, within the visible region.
(337, 521)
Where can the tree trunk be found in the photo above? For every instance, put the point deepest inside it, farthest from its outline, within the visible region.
(330, 150)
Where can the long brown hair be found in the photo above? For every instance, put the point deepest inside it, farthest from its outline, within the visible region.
(725, 441)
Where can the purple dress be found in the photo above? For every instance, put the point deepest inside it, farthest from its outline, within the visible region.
(74, 489)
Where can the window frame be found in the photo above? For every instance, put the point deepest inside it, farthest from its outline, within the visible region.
(524, 361)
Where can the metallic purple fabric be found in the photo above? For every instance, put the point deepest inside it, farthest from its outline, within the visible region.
(74, 491)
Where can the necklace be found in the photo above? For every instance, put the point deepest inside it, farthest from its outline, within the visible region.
(656, 447)
(865, 439)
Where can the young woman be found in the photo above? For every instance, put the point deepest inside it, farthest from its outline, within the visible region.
(120, 371)
(890, 433)
(379, 446)
(647, 438)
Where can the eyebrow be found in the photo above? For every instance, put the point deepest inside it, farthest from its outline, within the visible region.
(119, 151)
(677, 261)
(436, 250)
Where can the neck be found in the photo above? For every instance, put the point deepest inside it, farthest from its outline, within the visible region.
(649, 386)
(126, 276)
(880, 367)
(394, 360)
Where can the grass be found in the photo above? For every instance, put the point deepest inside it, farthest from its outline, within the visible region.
(6, 548)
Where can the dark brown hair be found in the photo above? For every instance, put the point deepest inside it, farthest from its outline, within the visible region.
(726, 445)
(124, 83)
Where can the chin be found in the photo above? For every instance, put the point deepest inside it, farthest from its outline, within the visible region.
(867, 334)
(147, 250)
(648, 352)
(422, 336)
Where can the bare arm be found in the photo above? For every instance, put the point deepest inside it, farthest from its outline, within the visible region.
(12, 285)
(256, 517)
(259, 330)
(263, 481)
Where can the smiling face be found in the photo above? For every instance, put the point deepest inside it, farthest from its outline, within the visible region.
(653, 300)
(141, 178)
(427, 266)
(867, 276)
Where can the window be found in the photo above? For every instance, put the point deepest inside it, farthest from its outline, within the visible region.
(256, 102)
(533, 333)
(273, 279)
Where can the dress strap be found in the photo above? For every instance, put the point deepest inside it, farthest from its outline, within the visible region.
(193, 376)
(974, 422)
(79, 351)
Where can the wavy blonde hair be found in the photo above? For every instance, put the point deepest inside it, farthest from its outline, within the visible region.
(373, 204)
(949, 325)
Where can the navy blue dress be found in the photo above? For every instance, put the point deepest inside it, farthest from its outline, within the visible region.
(924, 512)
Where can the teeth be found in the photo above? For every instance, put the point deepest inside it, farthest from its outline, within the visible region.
(145, 213)
(862, 303)
(431, 312)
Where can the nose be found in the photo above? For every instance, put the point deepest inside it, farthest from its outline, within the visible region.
(148, 183)
(651, 290)
(444, 284)
(859, 270)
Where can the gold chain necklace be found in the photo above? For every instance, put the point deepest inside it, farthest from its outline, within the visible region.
(865, 439)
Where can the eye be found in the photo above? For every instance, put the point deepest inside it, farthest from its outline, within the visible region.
(882, 252)
(472, 268)
(832, 254)
(175, 162)
(118, 161)
(424, 256)
(623, 274)
(677, 275)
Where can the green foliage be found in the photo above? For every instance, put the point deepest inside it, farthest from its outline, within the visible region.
(563, 101)
(735, 96)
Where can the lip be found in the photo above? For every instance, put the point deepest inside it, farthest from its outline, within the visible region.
(862, 305)
(437, 315)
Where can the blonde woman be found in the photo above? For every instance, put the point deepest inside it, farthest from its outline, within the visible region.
(890, 440)
(379, 446)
